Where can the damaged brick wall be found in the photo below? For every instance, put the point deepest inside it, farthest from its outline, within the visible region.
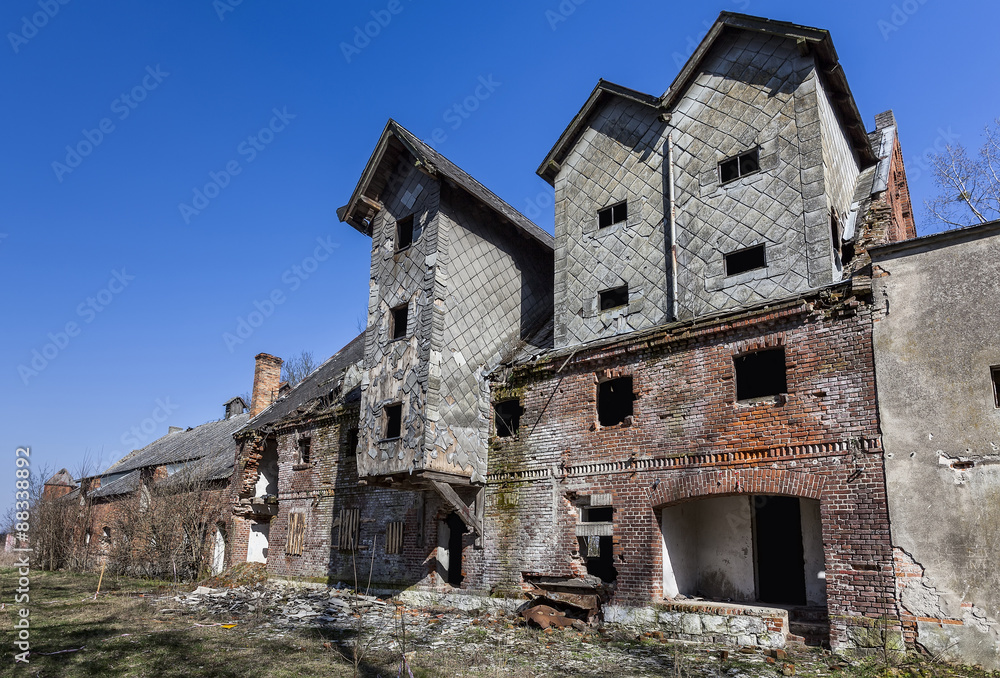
(820, 439)
(328, 484)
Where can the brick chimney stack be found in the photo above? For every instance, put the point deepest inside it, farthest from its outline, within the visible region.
(266, 379)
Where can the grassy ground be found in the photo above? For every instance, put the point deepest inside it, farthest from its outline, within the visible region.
(124, 633)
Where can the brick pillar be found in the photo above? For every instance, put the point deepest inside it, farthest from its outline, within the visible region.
(266, 378)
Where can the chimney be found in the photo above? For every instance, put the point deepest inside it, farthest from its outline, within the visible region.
(174, 429)
(885, 119)
(266, 378)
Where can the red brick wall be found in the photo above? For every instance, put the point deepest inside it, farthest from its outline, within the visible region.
(689, 438)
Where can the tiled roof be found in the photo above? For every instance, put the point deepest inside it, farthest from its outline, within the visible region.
(193, 443)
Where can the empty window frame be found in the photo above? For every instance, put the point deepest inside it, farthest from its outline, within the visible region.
(400, 314)
(614, 400)
(404, 233)
(393, 420)
(613, 298)
(612, 215)
(507, 417)
(352, 441)
(741, 165)
(305, 450)
(350, 529)
(394, 537)
(744, 260)
(296, 533)
(995, 376)
(760, 374)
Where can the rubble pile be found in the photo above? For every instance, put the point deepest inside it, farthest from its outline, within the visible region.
(547, 637)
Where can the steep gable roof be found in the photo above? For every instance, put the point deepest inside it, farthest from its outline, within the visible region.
(809, 40)
(395, 140)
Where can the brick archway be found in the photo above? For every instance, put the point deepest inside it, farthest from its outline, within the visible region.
(737, 481)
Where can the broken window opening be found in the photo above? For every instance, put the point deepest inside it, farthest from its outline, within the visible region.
(393, 421)
(995, 375)
(398, 321)
(614, 401)
(267, 471)
(613, 298)
(305, 450)
(598, 550)
(760, 374)
(744, 260)
(612, 215)
(394, 538)
(739, 166)
(507, 417)
(404, 233)
(352, 441)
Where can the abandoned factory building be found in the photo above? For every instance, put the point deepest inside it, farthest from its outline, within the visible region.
(719, 401)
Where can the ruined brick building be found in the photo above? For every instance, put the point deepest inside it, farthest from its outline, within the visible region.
(670, 407)
(674, 398)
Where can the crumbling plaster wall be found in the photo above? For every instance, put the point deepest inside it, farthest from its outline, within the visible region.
(934, 345)
(493, 285)
(619, 157)
(397, 370)
(753, 91)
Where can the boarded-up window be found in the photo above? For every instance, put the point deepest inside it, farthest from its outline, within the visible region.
(350, 528)
(296, 533)
(394, 537)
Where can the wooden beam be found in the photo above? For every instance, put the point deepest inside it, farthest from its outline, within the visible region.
(463, 511)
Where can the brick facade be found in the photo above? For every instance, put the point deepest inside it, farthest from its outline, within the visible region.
(689, 439)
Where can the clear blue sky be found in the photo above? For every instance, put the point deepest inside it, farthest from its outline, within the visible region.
(183, 89)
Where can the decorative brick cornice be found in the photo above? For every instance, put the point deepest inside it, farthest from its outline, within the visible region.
(726, 458)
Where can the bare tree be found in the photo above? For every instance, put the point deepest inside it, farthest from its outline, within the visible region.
(970, 186)
(297, 368)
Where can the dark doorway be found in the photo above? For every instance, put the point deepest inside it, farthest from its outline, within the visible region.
(456, 528)
(778, 545)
